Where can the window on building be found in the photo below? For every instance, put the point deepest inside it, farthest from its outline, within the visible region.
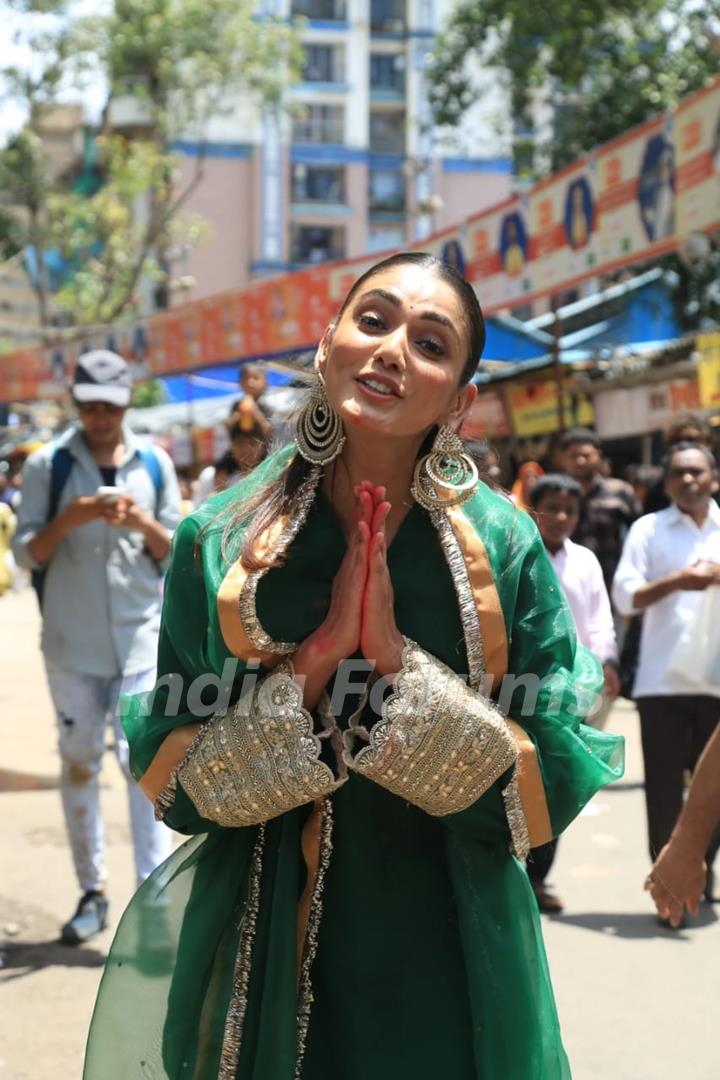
(388, 16)
(322, 10)
(316, 244)
(387, 132)
(314, 183)
(320, 124)
(386, 190)
(385, 237)
(323, 63)
(387, 72)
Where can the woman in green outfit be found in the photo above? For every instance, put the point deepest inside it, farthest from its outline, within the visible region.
(395, 719)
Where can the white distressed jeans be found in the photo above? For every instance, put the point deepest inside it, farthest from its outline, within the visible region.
(83, 704)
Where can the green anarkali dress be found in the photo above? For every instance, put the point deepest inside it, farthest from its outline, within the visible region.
(421, 953)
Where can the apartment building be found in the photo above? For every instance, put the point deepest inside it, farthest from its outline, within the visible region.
(352, 164)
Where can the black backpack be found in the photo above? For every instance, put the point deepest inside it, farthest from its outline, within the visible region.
(61, 464)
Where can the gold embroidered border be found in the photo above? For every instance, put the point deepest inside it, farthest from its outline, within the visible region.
(241, 628)
(488, 609)
(515, 814)
(474, 644)
(305, 991)
(530, 788)
(439, 744)
(171, 749)
(260, 759)
(486, 643)
(237, 1007)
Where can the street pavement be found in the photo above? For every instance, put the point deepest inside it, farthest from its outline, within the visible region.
(636, 1001)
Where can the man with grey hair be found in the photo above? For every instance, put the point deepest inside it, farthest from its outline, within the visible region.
(98, 511)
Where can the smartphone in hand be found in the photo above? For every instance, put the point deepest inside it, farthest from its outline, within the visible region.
(109, 495)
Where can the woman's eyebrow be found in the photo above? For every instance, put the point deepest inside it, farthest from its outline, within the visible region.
(394, 299)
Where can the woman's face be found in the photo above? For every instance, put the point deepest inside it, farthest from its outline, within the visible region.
(394, 361)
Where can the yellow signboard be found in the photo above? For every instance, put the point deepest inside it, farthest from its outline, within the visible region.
(709, 370)
(534, 409)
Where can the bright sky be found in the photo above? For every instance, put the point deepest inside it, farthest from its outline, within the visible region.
(14, 50)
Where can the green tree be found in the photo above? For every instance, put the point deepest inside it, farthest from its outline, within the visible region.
(605, 64)
(147, 394)
(181, 63)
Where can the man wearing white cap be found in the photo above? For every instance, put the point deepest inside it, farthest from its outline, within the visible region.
(97, 516)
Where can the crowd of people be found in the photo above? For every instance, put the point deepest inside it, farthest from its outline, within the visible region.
(372, 510)
(657, 548)
(597, 530)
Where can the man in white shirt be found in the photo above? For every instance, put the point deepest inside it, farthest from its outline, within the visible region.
(556, 500)
(668, 560)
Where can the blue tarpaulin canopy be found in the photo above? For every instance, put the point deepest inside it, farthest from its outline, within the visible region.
(211, 382)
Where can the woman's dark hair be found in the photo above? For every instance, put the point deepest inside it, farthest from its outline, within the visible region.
(274, 499)
(552, 483)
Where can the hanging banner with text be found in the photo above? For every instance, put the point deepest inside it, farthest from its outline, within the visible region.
(628, 201)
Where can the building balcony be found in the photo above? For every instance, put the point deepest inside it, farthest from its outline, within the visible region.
(313, 87)
(387, 142)
(386, 194)
(380, 208)
(307, 134)
(320, 10)
(317, 186)
(381, 94)
(324, 64)
(319, 124)
(312, 244)
(318, 209)
(387, 77)
(388, 16)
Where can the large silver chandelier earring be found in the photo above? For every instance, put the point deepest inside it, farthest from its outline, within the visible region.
(447, 476)
(320, 436)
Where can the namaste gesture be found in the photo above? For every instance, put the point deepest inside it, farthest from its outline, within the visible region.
(361, 615)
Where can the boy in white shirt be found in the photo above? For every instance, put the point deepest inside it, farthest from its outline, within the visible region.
(556, 501)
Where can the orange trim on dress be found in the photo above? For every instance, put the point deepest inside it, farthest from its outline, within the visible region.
(495, 643)
(487, 601)
(230, 619)
(531, 787)
(171, 752)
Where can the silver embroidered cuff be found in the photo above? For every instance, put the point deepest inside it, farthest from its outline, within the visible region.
(439, 744)
(259, 759)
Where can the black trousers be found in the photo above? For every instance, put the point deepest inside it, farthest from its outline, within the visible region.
(674, 732)
(540, 861)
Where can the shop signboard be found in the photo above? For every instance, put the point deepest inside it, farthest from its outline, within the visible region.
(487, 418)
(534, 408)
(708, 346)
(637, 410)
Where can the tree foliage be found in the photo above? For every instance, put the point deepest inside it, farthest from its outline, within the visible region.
(605, 65)
(183, 62)
(146, 395)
